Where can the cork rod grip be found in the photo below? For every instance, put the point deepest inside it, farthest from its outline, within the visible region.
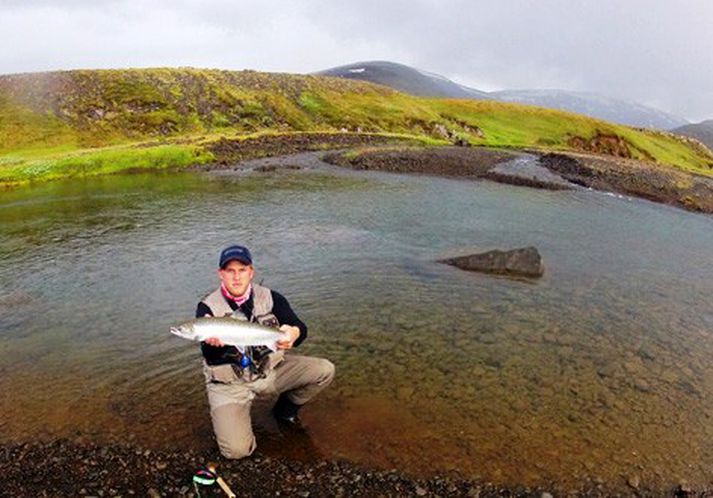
(225, 487)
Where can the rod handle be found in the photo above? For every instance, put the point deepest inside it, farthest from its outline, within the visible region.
(225, 487)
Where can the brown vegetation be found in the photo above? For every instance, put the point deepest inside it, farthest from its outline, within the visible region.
(227, 151)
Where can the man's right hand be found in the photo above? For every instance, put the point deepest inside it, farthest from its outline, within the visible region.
(215, 342)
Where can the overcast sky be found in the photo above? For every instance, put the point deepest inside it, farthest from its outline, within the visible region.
(656, 52)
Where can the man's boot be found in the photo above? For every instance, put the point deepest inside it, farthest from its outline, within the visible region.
(286, 411)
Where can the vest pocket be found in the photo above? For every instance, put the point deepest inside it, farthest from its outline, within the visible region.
(272, 360)
(222, 374)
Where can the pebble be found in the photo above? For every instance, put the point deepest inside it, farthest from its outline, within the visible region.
(684, 487)
(404, 393)
(565, 340)
(642, 385)
(634, 481)
(487, 338)
(474, 492)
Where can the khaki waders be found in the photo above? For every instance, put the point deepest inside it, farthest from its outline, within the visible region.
(231, 395)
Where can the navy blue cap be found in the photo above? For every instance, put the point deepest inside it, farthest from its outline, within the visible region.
(238, 253)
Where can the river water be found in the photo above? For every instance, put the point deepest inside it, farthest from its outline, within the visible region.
(598, 371)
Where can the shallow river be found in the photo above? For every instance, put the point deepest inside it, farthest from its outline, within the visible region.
(600, 370)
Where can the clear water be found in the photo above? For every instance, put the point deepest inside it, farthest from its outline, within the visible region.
(600, 370)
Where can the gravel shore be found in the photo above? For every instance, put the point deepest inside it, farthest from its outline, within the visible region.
(64, 468)
(71, 468)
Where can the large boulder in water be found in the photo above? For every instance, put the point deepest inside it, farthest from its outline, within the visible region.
(522, 262)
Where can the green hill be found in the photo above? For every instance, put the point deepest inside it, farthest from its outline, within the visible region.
(72, 123)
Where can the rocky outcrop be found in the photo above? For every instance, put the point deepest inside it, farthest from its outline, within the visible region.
(520, 262)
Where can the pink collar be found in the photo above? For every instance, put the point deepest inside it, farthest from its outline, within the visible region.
(240, 300)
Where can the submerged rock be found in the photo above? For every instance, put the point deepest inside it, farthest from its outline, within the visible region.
(523, 262)
(16, 298)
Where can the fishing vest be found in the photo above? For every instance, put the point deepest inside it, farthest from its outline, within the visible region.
(262, 314)
(262, 306)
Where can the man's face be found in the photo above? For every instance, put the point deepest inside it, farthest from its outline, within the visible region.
(236, 277)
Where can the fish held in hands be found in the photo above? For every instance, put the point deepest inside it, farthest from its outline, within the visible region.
(230, 331)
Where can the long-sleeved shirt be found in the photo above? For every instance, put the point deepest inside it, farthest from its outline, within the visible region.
(228, 354)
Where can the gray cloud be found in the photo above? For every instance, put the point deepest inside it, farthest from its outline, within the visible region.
(656, 53)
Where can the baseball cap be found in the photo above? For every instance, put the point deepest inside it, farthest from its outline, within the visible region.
(239, 253)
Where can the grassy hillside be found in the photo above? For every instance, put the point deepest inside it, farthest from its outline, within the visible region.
(75, 123)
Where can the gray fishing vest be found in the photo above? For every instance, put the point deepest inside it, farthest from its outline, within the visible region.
(262, 314)
(262, 306)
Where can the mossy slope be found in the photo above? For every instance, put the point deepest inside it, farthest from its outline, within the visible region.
(88, 122)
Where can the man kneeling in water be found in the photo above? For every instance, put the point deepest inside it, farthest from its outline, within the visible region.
(235, 378)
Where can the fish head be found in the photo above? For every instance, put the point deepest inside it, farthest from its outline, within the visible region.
(185, 331)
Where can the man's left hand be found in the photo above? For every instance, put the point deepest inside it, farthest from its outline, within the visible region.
(293, 332)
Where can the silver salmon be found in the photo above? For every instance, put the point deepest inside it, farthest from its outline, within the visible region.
(232, 332)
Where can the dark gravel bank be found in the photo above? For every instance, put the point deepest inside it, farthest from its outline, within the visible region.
(441, 161)
(650, 181)
(636, 178)
(457, 162)
(65, 468)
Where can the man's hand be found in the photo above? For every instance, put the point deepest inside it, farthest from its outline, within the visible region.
(293, 332)
(215, 342)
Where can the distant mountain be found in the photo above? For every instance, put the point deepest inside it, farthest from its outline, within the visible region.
(598, 106)
(405, 79)
(702, 131)
(422, 83)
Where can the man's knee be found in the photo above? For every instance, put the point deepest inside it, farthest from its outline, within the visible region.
(237, 448)
(326, 371)
(232, 428)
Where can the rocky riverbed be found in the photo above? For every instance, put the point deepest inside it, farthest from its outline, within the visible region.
(64, 468)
